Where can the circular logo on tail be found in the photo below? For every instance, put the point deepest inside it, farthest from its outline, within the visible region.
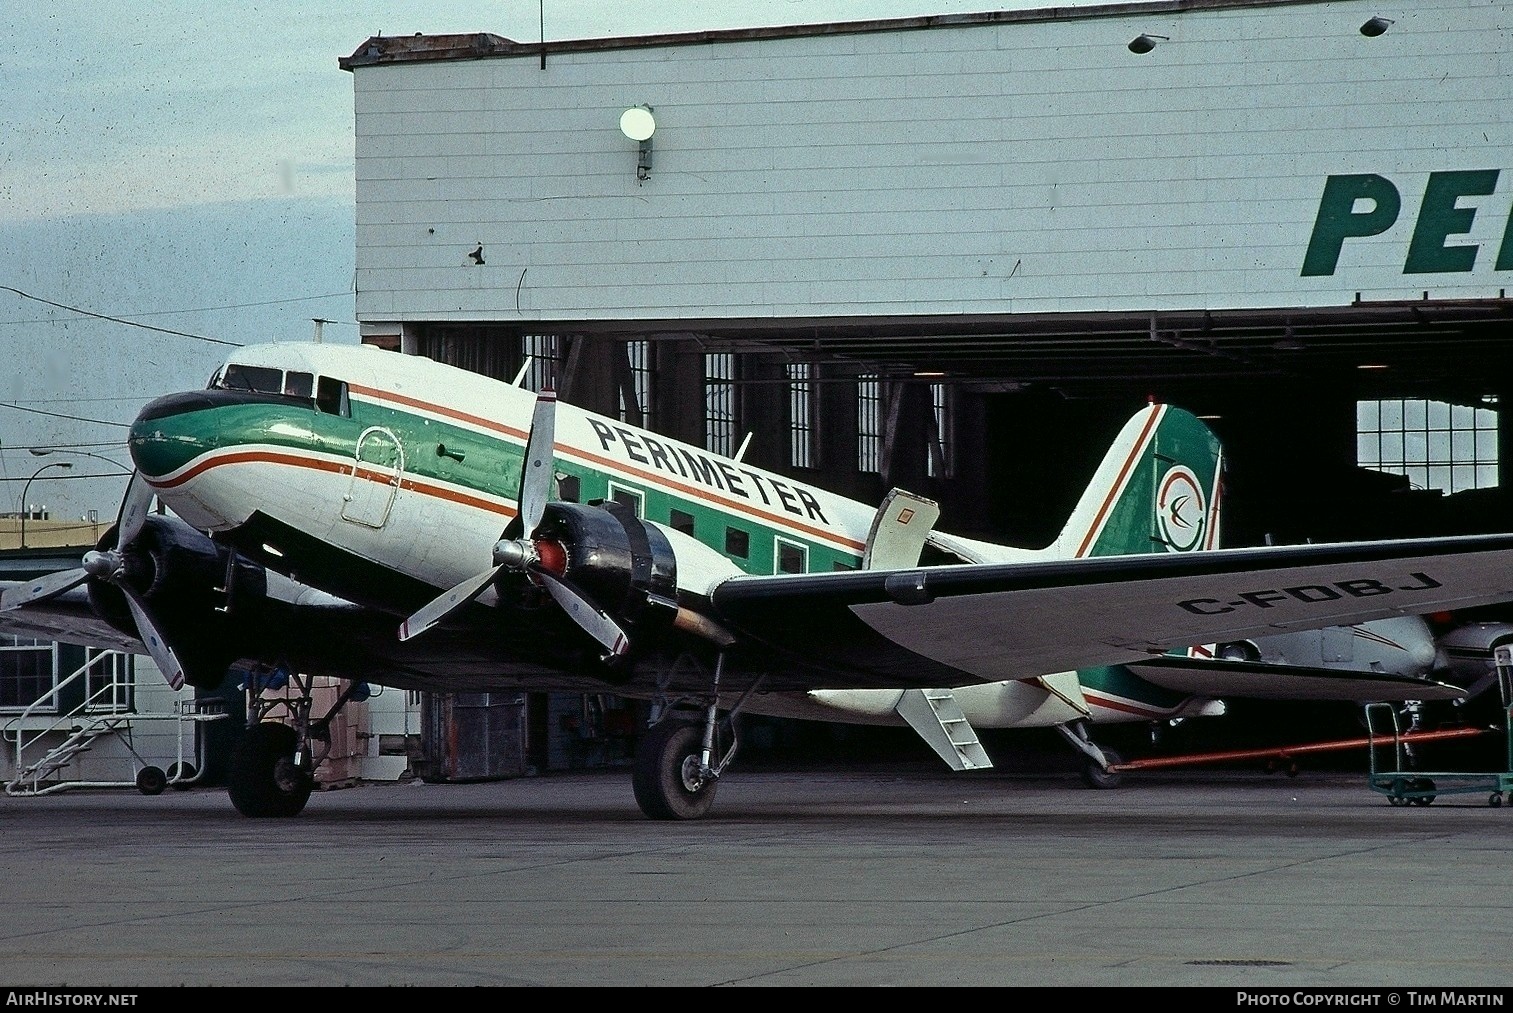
(1180, 510)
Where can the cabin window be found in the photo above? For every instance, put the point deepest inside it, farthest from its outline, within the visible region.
(632, 498)
(681, 521)
(790, 557)
(331, 397)
(737, 543)
(841, 565)
(569, 488)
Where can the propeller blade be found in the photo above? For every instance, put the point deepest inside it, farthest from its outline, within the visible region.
(449, 602)
(157, 645)
(594, 621)
(536, 470)
(47, 586)
(133, 513)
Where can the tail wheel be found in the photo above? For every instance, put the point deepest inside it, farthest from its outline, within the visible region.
(666, 777)
(1095, 776)
(264, 780)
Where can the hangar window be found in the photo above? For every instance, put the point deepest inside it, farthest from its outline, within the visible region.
(869, 427)
(635, 383)
(539, 353)
(1434, 445)
(719, 402)
(939, 463)
(801, 414)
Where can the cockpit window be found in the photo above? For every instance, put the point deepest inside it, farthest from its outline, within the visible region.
(331, 397)
(263, 379)
(299, 384)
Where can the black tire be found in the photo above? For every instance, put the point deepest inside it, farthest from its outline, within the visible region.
(1095, 776)
(180, 776)
(1423, 784)
(666, 762)
(151, 780)
(261, 761)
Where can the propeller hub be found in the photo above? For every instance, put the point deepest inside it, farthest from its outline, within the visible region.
(514, 554)
(103, 565)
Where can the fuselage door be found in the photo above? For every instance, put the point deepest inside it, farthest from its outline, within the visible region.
(374, 480)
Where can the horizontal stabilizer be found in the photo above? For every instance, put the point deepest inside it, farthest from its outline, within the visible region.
(1257, 680)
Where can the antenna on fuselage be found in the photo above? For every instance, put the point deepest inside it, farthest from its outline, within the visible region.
(520, 376)
(744, 444)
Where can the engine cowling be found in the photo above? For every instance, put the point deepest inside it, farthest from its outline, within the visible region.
(622, 564)
(183, 576)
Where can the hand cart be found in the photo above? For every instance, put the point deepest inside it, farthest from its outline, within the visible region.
(1405, 786)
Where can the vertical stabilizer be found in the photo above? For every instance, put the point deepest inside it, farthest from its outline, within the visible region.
(1157, 490)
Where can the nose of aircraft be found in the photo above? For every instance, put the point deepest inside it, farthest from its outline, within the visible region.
(171, 431)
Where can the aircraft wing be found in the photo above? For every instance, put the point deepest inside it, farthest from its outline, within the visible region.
(953, 624)
(1260, 680)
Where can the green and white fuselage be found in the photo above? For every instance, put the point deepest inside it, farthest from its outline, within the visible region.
(385, 479)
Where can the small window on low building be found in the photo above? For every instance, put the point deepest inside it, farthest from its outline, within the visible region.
(737, 543)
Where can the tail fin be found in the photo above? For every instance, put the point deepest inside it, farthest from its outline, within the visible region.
(1157, 490)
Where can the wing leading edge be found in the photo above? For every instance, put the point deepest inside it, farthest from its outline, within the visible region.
(988, 622)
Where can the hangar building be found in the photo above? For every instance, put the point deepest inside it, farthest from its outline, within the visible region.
(952, 253)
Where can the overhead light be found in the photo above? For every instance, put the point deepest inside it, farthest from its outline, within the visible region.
(1376, 26)
(1372, 365)
(929, 372)
(639, 124)
(1144, 42)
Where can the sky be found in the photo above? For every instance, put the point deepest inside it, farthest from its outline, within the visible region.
(180, 181)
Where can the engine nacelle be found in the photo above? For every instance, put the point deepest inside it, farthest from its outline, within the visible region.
(624, 565)
(183, 576)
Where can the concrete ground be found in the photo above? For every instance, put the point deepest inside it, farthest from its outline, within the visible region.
(880, 876)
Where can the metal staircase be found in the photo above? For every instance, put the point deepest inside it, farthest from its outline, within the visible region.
(47, 746)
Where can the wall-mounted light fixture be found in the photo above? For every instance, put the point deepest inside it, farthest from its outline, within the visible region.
(1376, 26)
(638, 124)
(1144, 43)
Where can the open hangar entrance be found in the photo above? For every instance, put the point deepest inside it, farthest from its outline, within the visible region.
(954, 254)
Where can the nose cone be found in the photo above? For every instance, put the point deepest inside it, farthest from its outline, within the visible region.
(172, 431)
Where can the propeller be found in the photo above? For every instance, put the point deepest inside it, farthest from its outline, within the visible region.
(543, 559)
(110, 566)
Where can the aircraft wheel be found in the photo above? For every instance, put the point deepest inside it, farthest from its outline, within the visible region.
(666, 776)
(180, 776)
(151, 780)
(264, 782)
(1095, 776)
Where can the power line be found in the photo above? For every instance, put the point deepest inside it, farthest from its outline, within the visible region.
(118, 320)
(198, 309)
(60, 415)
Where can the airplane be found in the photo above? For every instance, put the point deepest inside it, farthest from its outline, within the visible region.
(347, 511)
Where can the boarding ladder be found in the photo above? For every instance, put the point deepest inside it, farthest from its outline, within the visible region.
(66, 737)
(939, 720)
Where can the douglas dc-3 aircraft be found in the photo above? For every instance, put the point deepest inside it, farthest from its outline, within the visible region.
(382, 518)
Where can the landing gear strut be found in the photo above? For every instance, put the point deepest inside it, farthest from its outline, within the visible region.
(1098, 760)
(273, 767)
(676, 767)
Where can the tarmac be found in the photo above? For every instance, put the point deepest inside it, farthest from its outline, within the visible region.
(889, 876)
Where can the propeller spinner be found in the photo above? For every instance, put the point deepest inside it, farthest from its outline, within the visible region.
(542, 558)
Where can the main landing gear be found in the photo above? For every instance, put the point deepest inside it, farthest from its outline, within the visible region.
(678, 761)
(1096, 772)
(273, 767)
